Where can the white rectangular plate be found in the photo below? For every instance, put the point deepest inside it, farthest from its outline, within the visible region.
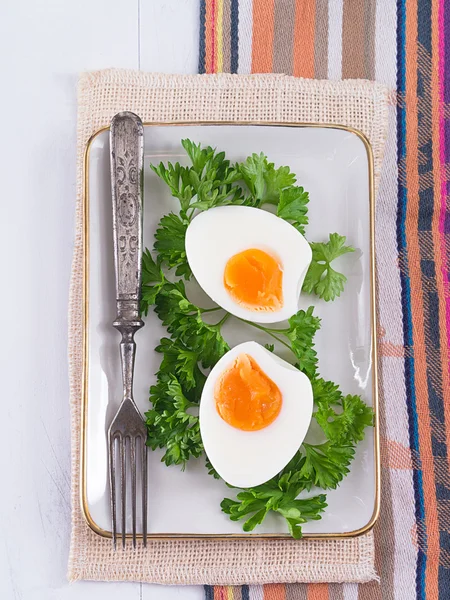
(335, 166)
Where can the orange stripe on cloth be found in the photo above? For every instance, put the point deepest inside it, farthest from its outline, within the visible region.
(439, 254)
(420, 362)
(275, 591)
(395, 455)
(262, 42)
(304, 30)
(209, 37)
(222, 592)
(318, 591)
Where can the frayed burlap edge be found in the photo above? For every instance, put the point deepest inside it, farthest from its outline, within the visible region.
(362, 105)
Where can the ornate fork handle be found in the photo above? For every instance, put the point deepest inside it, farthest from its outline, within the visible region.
(127, 157)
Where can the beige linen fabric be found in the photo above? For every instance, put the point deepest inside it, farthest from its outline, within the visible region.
(359, 104)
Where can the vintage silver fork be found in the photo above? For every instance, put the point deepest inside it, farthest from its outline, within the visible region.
(127, 429)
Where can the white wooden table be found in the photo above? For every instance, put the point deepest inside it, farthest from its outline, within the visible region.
(44, 44)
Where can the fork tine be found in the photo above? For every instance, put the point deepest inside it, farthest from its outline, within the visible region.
(144, 491)
(133, 487)
(112, 482)
(123, 485)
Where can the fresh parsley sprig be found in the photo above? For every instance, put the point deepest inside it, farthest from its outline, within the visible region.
(268, 185)
(264, 182)
(321, 278)
(343, 421)
(169, 424)
(184, 320)
(208, 182)
(325, 465)
(279, 495)
(298, 338)
(192, 343)
(292, 207)
(170, 243)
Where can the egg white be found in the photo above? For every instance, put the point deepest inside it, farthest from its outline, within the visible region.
(217, 234)
(249, 458)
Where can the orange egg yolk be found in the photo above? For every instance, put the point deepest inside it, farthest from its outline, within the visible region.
(255, 280)
(245, 397)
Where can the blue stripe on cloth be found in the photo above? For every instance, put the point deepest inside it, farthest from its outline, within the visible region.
(202, 48)
(405, 283)
(245, 592)
(209, 592)
(234, 36)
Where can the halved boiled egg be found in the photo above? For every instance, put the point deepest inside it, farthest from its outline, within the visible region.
(255, 411)
(249, 261)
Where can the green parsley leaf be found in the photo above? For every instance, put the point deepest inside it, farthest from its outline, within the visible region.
(199, 156)
(171, 303)
(302, 328)
(298, 512)
(278, 495)
(182, 362)
(204, 338)
(207, 163)
(152, 281)
(300, 333)
(275, 496)
(170, 244)
(209, 182)
(211, 178)
(330, 286)
(348, 424)
(292, 207)
(170, 425)
(326, 465)
(264, 182)
(184, 321)
(211, 469)
(218, 193)
(325, 392)
(252, 171)
(332, 249)
(321, 278)
(177, 178)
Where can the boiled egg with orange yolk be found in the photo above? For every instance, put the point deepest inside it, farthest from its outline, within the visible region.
(249, 261)
(255, 411)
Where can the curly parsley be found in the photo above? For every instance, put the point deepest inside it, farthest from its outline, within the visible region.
(195, 344)
(321, 278)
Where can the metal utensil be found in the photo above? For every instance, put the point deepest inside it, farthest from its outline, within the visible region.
(127, 430)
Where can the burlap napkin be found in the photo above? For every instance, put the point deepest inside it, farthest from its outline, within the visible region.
(359, 104)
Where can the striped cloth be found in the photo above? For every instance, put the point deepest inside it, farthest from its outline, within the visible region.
(406, 45)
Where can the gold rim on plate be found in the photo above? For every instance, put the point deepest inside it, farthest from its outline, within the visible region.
(84, 400)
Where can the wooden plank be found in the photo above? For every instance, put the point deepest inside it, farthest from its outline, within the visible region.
(43, 46)
(169, 35)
